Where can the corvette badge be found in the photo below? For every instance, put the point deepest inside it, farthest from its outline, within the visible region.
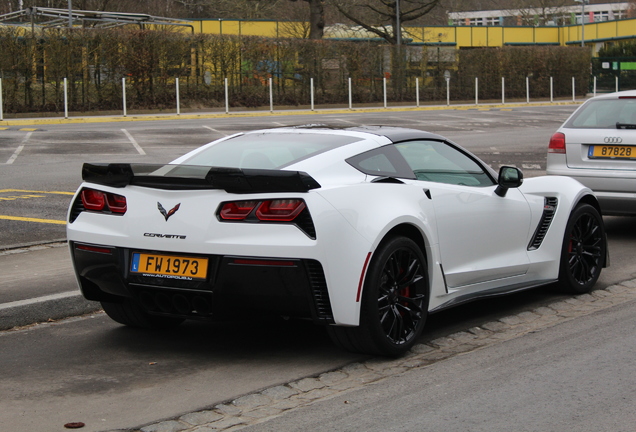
(169, 213)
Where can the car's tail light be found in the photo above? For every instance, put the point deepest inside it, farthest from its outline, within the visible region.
(104, 202)
(557, 143)
(280, 210)
(237, 210)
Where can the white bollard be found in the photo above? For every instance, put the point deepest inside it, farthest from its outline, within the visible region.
(573, 90)
(350, 96)
(503, 90)
(527, 89)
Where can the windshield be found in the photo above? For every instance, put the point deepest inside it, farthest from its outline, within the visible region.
(604, 114)
(268, 150)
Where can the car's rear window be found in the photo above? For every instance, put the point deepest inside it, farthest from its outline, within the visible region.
(268, 150)
(604, 114)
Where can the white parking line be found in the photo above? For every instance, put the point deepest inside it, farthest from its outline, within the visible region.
(134, 142)
(216, 131)
(19, 149)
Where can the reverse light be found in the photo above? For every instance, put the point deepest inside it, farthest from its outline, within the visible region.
(557, 143)
(105, 202)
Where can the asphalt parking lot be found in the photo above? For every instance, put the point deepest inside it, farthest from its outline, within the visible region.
(93, 370)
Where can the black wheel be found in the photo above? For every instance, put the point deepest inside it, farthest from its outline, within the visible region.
(583, 251)
(129, 313)
(394, 302)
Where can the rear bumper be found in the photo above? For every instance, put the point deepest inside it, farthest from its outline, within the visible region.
(233, 285)
(615, 190)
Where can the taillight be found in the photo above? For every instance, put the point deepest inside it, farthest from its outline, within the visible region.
(237, 210)
(93, 200)
(105, 202)
(278, 210)
(557, 143)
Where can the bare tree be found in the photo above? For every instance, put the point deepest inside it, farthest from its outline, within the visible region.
(384, 17)
(316, 18)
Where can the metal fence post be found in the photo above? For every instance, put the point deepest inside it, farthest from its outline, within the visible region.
(573, 90)
(616, 82)
(123, 93)
(350, 96)
(551, 89)
(176, 82)
(384, 90)
(271, 96)
(65, 99)
(417, 92)
(447, 91)
(311, 92)
(594, 85)
(527, 89)
(503, 90)
(227, 97)
(1, 108)
(476, 91)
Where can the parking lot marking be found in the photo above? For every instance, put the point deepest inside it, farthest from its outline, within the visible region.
(37, 192)
(134, 142)
(25, 219)
(216, 131)
(27, 129)
(15, 197)
(19, 149)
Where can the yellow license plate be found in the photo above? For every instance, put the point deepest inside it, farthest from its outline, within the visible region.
(169, 266)
(608, 151)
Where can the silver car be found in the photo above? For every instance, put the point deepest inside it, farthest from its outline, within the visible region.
(597, 146)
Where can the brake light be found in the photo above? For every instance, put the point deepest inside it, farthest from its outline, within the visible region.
(280, 210)
(105, 202)
(93, 200)
(237, 210)
(557, 143)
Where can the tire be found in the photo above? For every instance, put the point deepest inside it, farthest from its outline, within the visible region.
(129, 313)
(394, 302)
(583, 251)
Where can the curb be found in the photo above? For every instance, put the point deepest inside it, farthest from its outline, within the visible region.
(213, 115)
(47, 308)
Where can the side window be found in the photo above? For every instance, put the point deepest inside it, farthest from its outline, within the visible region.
(440, 162)
(385, 161)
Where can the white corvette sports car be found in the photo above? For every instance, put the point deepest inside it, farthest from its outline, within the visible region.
(363, 229)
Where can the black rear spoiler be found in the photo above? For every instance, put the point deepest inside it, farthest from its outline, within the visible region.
(183, 177)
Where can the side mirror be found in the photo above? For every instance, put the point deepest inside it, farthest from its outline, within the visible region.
(509, 177)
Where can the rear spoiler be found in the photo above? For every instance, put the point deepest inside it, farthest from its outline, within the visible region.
(184, 177)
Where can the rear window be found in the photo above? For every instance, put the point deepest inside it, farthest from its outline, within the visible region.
(268, 150)
(604, 114)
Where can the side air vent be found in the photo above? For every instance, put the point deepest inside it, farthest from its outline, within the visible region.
(549, 209)
(319, 291)
(76, 209)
